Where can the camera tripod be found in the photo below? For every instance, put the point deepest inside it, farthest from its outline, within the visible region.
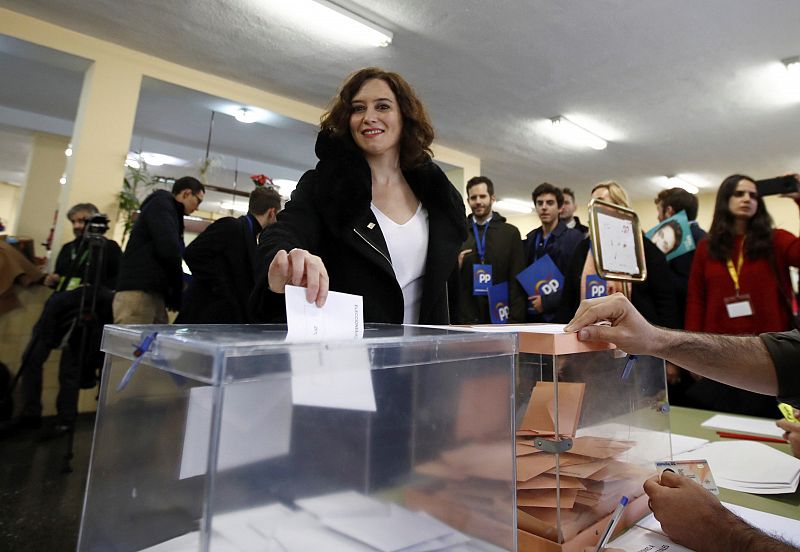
(71, 323)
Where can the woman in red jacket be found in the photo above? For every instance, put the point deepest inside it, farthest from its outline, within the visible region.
(740, 285)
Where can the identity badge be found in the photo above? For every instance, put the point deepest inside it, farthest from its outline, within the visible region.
(498, 303)
(738, 306)
(696, 470)
(595, 287)
(481, 279)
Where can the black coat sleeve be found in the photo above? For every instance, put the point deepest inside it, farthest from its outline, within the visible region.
(298, 226)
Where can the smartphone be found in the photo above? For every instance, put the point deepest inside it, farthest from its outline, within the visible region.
(777, 185)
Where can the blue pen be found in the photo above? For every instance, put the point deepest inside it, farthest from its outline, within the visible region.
(626, 372)
(612, 524)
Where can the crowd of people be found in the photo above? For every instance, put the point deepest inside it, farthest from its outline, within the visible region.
(378, 218)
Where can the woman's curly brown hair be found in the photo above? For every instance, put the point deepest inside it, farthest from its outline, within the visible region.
(417, 134)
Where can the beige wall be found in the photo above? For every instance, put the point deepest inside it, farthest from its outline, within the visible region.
(784, 212)
(40, 195)
(10, 195)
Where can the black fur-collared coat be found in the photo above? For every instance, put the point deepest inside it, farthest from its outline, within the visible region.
(329, 215)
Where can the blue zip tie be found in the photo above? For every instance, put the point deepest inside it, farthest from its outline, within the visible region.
(138, 352)
(626, 372)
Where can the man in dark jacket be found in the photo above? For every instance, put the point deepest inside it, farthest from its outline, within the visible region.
(669, 203)
(74, 278)
(150, 277)
(567, 213)
(552, 238)
(490, 241)
(222, 261)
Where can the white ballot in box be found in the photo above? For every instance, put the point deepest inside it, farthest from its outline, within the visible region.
(233, 438)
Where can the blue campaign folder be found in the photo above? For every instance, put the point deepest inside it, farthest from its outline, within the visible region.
(542, 277)
(499, 309)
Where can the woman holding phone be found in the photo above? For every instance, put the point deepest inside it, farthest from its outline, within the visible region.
(740, 284)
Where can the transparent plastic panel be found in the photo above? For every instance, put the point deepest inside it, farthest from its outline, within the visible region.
(403, 439)
(574, 467)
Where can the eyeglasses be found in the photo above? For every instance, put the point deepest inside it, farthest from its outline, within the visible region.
(742, 193)
(198, 198)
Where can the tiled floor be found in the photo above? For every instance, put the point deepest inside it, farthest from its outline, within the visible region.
(40, 506)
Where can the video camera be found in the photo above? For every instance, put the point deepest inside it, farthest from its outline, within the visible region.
(96, 225)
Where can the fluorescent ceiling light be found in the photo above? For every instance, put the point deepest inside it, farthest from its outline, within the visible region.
(158, 159)
(676, 181)
(323, 16)
(285, 186)
(571, 133)
(234, 205)
(514, 205)
(792, 65)
(246, 116)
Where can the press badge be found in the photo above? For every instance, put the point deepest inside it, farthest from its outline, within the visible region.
(738, 306)
(696, 470)
(481, 279)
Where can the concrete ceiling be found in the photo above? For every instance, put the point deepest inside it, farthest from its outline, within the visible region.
(685, 87)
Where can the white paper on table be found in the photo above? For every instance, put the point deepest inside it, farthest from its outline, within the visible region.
(617, 244)
(345, 503)
(450, 542)
(342, 317)
(317, 538)
(638, 538)
(786, 529)
(390, 533)
(256, 425)
(740, 424)
(190, 542)
(685, 443)
(239, 527)
(747, 462)
(333, 377)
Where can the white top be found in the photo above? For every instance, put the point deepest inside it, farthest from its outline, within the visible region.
(408, 248)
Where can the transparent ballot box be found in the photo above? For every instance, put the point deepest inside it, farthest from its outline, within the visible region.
(591, 422)
(230, 438)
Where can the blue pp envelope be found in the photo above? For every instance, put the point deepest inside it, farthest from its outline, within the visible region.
(498, 303)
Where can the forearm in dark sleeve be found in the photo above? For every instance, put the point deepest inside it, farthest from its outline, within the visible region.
(784, 351)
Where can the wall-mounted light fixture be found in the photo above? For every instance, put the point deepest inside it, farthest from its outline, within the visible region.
(569, 132)
(63, 179)
(514, 205)
(68, 151)
(246, 116)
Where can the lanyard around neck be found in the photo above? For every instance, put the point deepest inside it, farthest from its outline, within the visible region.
(735, 271)
(480, 241)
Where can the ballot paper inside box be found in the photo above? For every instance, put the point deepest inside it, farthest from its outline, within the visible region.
(232, 438)
(606, 416)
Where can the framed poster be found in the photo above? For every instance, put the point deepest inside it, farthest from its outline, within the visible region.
(617, 242)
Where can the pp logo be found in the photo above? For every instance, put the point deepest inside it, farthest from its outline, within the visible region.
(597, 290)
(484, 277)
(502, 311)
(545, 287)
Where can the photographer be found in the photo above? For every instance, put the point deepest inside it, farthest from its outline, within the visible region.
(85, 272)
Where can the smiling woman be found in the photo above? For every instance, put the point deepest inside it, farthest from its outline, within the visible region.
(376, 217)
